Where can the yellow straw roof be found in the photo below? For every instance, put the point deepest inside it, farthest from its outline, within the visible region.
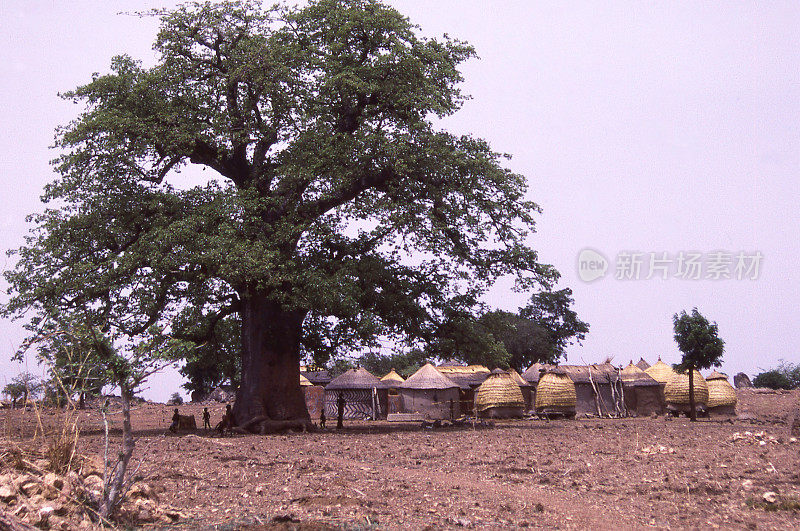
(631, 370)
(392, 378)
(720, 391)
(465, 376)
(556, 389)
(634, 376)
(304, 382)
(661, 372)
(498, 390)
(677, 389)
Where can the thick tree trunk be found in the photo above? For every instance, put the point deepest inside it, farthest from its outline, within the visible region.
(270, 388)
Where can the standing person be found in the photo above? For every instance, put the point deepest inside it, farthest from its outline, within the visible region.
(206, 419)
(339, 411)
(176, 420)
(322, 417)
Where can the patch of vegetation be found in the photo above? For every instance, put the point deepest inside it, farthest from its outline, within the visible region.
(175, 400)
(784, 376)
(789, 503)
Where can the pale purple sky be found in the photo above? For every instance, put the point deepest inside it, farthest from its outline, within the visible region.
(658, 127)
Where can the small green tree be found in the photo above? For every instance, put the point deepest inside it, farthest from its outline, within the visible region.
(118, 362)
(701, 347)
(22, 386)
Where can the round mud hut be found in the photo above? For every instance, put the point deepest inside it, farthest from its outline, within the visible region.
(430, 393)
(499, 397)
(467, 377)
(643, 394)
(676, 393)
(721, 395)
(555, 394)
(392, 381)
(364, 395)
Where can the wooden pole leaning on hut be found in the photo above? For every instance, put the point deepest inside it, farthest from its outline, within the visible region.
(625, 411)
(615, 396)
(594, 388)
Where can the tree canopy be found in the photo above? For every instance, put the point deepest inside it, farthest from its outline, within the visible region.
(538, 332)
(697, 339)
(333, 211)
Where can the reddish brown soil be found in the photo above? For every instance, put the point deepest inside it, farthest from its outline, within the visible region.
(610, 473)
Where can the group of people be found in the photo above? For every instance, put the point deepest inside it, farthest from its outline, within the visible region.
(226, 424)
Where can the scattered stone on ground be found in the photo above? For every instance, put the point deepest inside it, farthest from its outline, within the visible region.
(567, 474)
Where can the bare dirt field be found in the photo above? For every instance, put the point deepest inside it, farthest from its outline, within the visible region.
(599, 473)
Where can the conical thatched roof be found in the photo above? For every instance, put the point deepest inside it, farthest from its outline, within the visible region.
(534, 372)
(498, 390)
(427, 377)
(304, 382)
(555, 389)
(633, 375)
(642, 364)
(392, 379)
(465, 376)
(358, 378)
(677, 389)
(720, 391)
(518, 379)
(661, 372)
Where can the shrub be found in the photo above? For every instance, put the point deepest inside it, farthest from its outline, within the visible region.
(784, 376)
(175, 400)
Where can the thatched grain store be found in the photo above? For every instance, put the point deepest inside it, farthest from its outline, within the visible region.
(532, 376)
(676, 393)
(430, 393)
(721, 395)
(499, 396)
(365, 396)
(555, 394)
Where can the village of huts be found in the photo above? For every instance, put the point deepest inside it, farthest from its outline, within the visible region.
(453, 390)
